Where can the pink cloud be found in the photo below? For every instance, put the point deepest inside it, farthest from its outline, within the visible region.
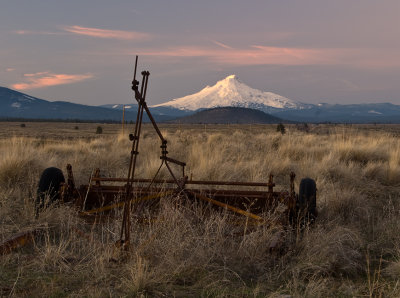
(23, 32)
(222, 45)
(29, 32)
(249, 56)
(47, 79)
(105, 33)
(259, 54)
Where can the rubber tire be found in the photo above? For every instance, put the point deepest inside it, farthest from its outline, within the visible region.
(307, 204)
(49, 185)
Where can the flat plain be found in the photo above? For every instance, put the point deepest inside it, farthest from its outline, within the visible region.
(353, 248)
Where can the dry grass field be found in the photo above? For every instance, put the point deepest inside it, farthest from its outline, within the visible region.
(353, 248)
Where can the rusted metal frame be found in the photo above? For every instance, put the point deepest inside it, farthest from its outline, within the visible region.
(164, 157)
(154, 123)
(155, 176)
(137, 134)
(115, 188)
(201, 182)
(163, 146)
(136, 137)
(143, 105)
(227, 206)
(141, 99)
(120, 204)
(142, 102)
(94, 174)
(126, 226)
(270, 183)
(138, 97)
(173, 176)
(134, 153)
(180, 163)
(112, 189)
(147, 189)
(233, 192)
(125, 229)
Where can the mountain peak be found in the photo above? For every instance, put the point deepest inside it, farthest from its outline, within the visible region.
(231, 77)
(229, 80)
(230, 92)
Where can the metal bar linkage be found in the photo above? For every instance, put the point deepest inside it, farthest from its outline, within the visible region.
(126, 225)
(142, 106)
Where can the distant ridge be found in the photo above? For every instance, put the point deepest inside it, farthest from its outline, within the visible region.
(352, 113)
(17, 105)
(229, 115)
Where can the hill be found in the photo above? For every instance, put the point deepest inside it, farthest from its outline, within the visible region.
(225, 115)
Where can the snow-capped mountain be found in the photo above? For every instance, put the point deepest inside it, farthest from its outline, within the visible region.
(230, 92)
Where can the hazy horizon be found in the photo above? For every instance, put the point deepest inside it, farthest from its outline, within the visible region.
(312, 51)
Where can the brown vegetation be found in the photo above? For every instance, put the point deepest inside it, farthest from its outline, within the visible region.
(353, 249)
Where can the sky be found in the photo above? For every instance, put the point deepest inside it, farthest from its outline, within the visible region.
(339, 52)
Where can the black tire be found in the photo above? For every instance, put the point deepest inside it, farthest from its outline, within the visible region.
(307, 203)
(49, 186)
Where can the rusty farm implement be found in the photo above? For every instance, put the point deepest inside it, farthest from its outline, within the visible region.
(244, 200)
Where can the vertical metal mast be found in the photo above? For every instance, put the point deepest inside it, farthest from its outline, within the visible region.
(140, 97)
(142, 106)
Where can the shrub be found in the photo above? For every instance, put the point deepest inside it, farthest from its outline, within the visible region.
(23, 125)
(281, 128)
(76, 127)
(99, 130)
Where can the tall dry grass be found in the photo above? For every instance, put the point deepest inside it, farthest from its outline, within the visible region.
(353, 249)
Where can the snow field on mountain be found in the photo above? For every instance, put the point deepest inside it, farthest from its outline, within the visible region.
(231, 92)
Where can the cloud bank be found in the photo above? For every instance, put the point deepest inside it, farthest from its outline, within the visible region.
(269, 55)
(47, 79)
(106, 33)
